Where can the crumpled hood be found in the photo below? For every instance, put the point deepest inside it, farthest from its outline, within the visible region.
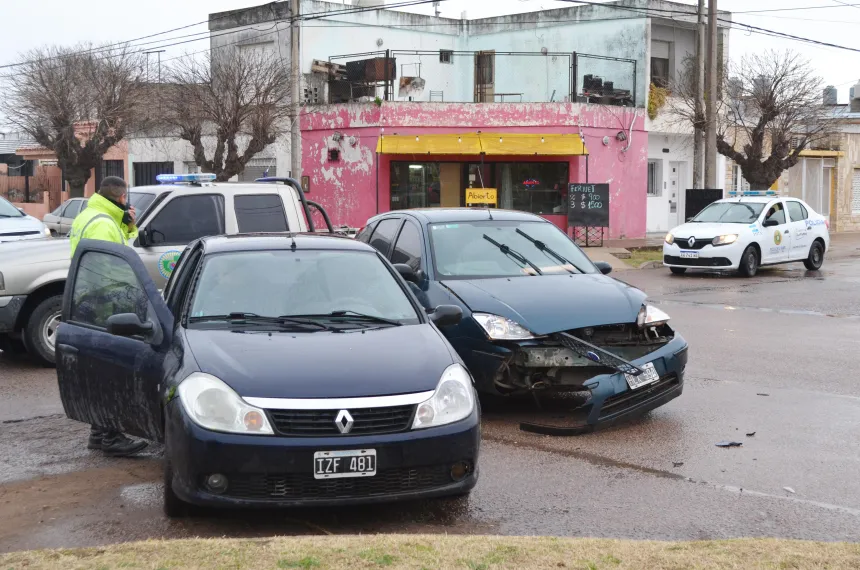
(552, 303)
(381, 362)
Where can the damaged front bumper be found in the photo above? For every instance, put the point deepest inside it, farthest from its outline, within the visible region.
(590, 392)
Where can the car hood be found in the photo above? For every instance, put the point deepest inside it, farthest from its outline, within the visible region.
(551, 303)
(705, 230)
(34, 251)
(378, 362)
(16, 225)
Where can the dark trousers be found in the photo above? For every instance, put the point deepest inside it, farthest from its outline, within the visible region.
(102, 432)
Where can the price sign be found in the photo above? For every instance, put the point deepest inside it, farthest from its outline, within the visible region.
(588, 205)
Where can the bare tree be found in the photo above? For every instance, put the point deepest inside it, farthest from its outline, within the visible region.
(769, 112)
(77, 101)
(226, 100)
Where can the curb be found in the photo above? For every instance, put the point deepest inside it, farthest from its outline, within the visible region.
(651, 265)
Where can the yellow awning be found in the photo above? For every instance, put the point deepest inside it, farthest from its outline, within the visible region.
(485, 143)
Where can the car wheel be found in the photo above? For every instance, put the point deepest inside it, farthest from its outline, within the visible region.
(41, 331)
(749, 262)
(816, 257)
(174, 507)
(678, 270)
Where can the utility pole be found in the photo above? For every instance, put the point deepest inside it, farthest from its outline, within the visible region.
(711, 89)
(295, 92)
(698, 132)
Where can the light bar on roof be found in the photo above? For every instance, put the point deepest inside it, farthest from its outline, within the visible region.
(752, 193)
(189, 178)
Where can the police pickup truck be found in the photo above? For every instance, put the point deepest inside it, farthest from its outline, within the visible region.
(181, 209)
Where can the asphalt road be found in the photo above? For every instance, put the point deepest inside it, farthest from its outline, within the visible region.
(773, 356)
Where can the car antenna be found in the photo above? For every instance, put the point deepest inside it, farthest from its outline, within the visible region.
(293, 245)
(489, 212)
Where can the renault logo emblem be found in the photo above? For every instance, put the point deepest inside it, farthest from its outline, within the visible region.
(343, 421)
(691, 242)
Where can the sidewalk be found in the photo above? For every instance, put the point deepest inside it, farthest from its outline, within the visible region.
(604, 254)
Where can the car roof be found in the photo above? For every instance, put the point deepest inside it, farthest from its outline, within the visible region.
(281, 240)
(440, 215)
(222, 187)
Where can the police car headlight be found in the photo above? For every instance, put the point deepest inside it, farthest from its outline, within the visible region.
(650, 316)
(501, 328)
(725, 240)
(213, 405)
(670, 239)
(46, 231)
(453, 400)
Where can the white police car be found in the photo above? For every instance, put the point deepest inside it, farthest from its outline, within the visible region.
(746, 232)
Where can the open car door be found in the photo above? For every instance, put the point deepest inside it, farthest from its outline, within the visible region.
(111, 344)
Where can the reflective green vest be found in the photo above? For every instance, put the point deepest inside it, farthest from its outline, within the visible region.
(101, 219)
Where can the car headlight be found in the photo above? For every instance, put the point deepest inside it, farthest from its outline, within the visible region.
(670, 239)
(213, 405)
(651, 316)
(452, 401)
(725, 240)
(46, 231)
(501, 328)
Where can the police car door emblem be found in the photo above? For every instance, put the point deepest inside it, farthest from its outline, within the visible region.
(343, 421)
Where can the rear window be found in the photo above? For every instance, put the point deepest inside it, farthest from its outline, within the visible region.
(260, 213)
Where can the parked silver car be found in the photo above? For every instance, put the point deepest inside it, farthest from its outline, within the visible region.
(60, 220)
(15, 225)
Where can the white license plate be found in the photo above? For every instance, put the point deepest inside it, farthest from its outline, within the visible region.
(689, 255)
(649, 376)
(339, 464)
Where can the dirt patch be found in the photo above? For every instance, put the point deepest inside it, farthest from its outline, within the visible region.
(423, 551)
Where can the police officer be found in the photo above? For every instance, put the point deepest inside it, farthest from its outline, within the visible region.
(108, 217)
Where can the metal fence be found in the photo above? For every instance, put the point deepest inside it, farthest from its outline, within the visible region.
(479, 77)
(32, 189)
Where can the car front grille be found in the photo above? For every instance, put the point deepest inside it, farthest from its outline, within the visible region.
(700, 262)
(305, 486)
(684, 243)
(366, 421)
(619, 403)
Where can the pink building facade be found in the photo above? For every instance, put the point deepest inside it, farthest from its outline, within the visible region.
(354, 177)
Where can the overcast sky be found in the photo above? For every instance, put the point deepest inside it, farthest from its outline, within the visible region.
(36, 22)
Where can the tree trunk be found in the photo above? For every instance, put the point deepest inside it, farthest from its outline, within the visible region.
(77, 183)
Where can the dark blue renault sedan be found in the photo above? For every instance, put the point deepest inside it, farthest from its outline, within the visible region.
(285, 370)
(539, 317)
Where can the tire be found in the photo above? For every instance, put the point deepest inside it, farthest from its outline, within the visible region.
(174, 507)
(41, 330)
(816, 257)
(678, 270)
(12, 348)
(749, 262)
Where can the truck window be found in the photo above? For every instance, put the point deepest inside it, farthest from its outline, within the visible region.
(187, 218)
(408, 247)
(260, 213)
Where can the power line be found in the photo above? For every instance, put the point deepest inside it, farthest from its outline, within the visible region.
(847, 4)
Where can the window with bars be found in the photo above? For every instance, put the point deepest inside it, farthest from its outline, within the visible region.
(654, 182)
(855, 192)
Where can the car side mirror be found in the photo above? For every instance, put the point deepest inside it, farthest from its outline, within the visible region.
(407, 273)
(446, 315)
(770, 223)
(604, 267)
(142, 237)
(128, 324)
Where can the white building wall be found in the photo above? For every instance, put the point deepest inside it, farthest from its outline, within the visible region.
(669, 151)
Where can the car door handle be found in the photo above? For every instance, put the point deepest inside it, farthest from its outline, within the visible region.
(786, 231)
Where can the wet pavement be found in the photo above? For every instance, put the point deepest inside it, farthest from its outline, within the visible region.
(773, 356)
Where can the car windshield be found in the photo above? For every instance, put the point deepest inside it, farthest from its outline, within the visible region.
(7, 210)
(140, 201)
(490, 248)
(730, 213)
(282, 283)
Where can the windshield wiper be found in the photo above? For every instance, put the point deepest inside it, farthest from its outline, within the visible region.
(349, 314)
(513, 253)
(240, 318)
(542, 247)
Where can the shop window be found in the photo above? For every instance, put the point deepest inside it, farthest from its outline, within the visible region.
(415, 185)
(536, 187)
